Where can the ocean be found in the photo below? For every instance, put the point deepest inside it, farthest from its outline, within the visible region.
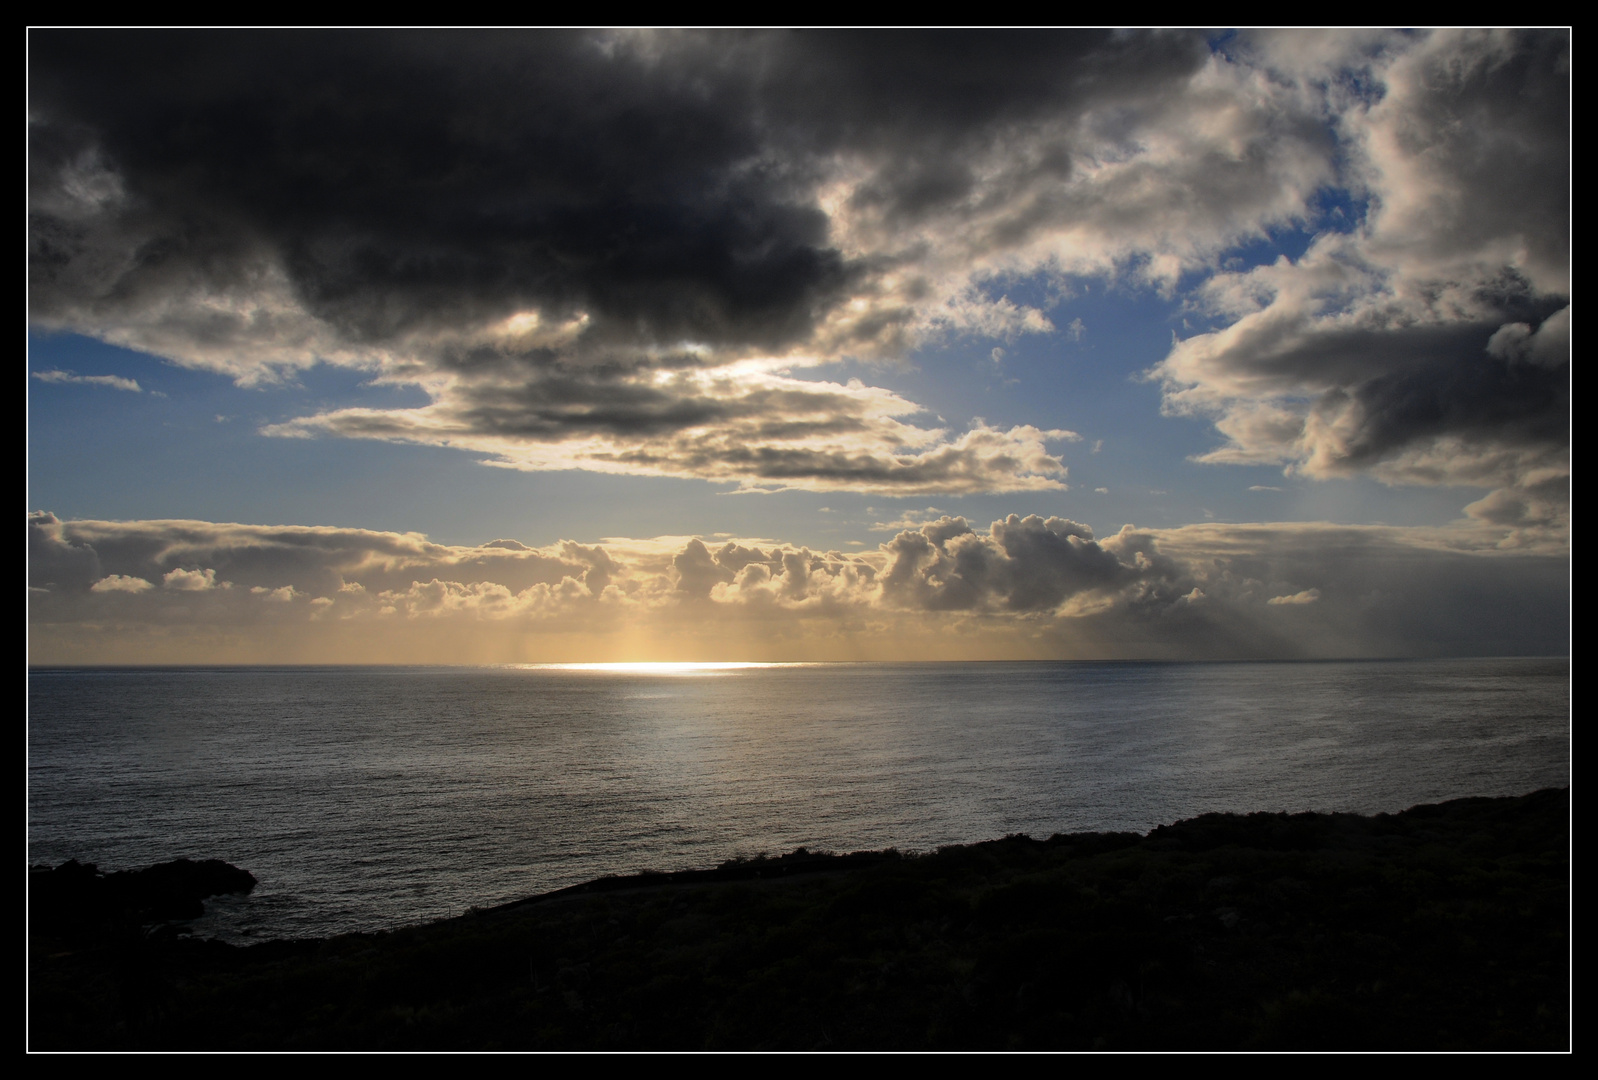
(364, 798)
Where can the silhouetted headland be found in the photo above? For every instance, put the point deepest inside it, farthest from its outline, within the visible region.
(1442, 927)
(77, 900)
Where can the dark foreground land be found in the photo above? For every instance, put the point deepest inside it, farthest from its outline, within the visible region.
(1443, 927)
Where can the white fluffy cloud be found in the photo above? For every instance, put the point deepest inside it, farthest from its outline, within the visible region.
(1024, 587)
(120, 583)
(192, 580)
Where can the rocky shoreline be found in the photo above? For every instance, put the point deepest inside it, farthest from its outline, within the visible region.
(1445, 927)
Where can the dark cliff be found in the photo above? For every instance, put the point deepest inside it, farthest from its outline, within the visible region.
(1443, 927)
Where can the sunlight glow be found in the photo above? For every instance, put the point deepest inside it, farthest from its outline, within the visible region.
(656, 667)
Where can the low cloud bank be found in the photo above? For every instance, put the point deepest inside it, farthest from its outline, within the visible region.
(1023, 588)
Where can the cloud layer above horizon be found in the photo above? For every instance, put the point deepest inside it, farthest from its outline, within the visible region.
(1023, 588)
(639, 253)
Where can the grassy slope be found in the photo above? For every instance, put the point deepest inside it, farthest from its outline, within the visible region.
(1444, 927)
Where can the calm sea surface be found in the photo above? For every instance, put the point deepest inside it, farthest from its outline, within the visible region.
(369, 797)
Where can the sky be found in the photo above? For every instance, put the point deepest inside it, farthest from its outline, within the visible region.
(593, 346)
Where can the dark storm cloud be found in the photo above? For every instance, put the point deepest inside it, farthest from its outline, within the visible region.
(1378, 390)
(413, 179)
(1458, 392)
(407, 180)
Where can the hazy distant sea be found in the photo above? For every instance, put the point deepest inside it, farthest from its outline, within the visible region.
(365, 798)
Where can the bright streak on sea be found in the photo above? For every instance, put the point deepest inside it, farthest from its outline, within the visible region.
(661, 667)
(365, 798)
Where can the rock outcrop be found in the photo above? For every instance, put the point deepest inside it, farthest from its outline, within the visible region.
(78, 897)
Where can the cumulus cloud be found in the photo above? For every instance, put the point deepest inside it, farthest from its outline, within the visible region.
(1429, 343)
(192, 580)
(1021, 564)
(1022, 587)
(116, 382)
(120, 583)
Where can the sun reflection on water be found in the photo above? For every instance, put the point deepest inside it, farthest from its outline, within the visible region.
(662, 667)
